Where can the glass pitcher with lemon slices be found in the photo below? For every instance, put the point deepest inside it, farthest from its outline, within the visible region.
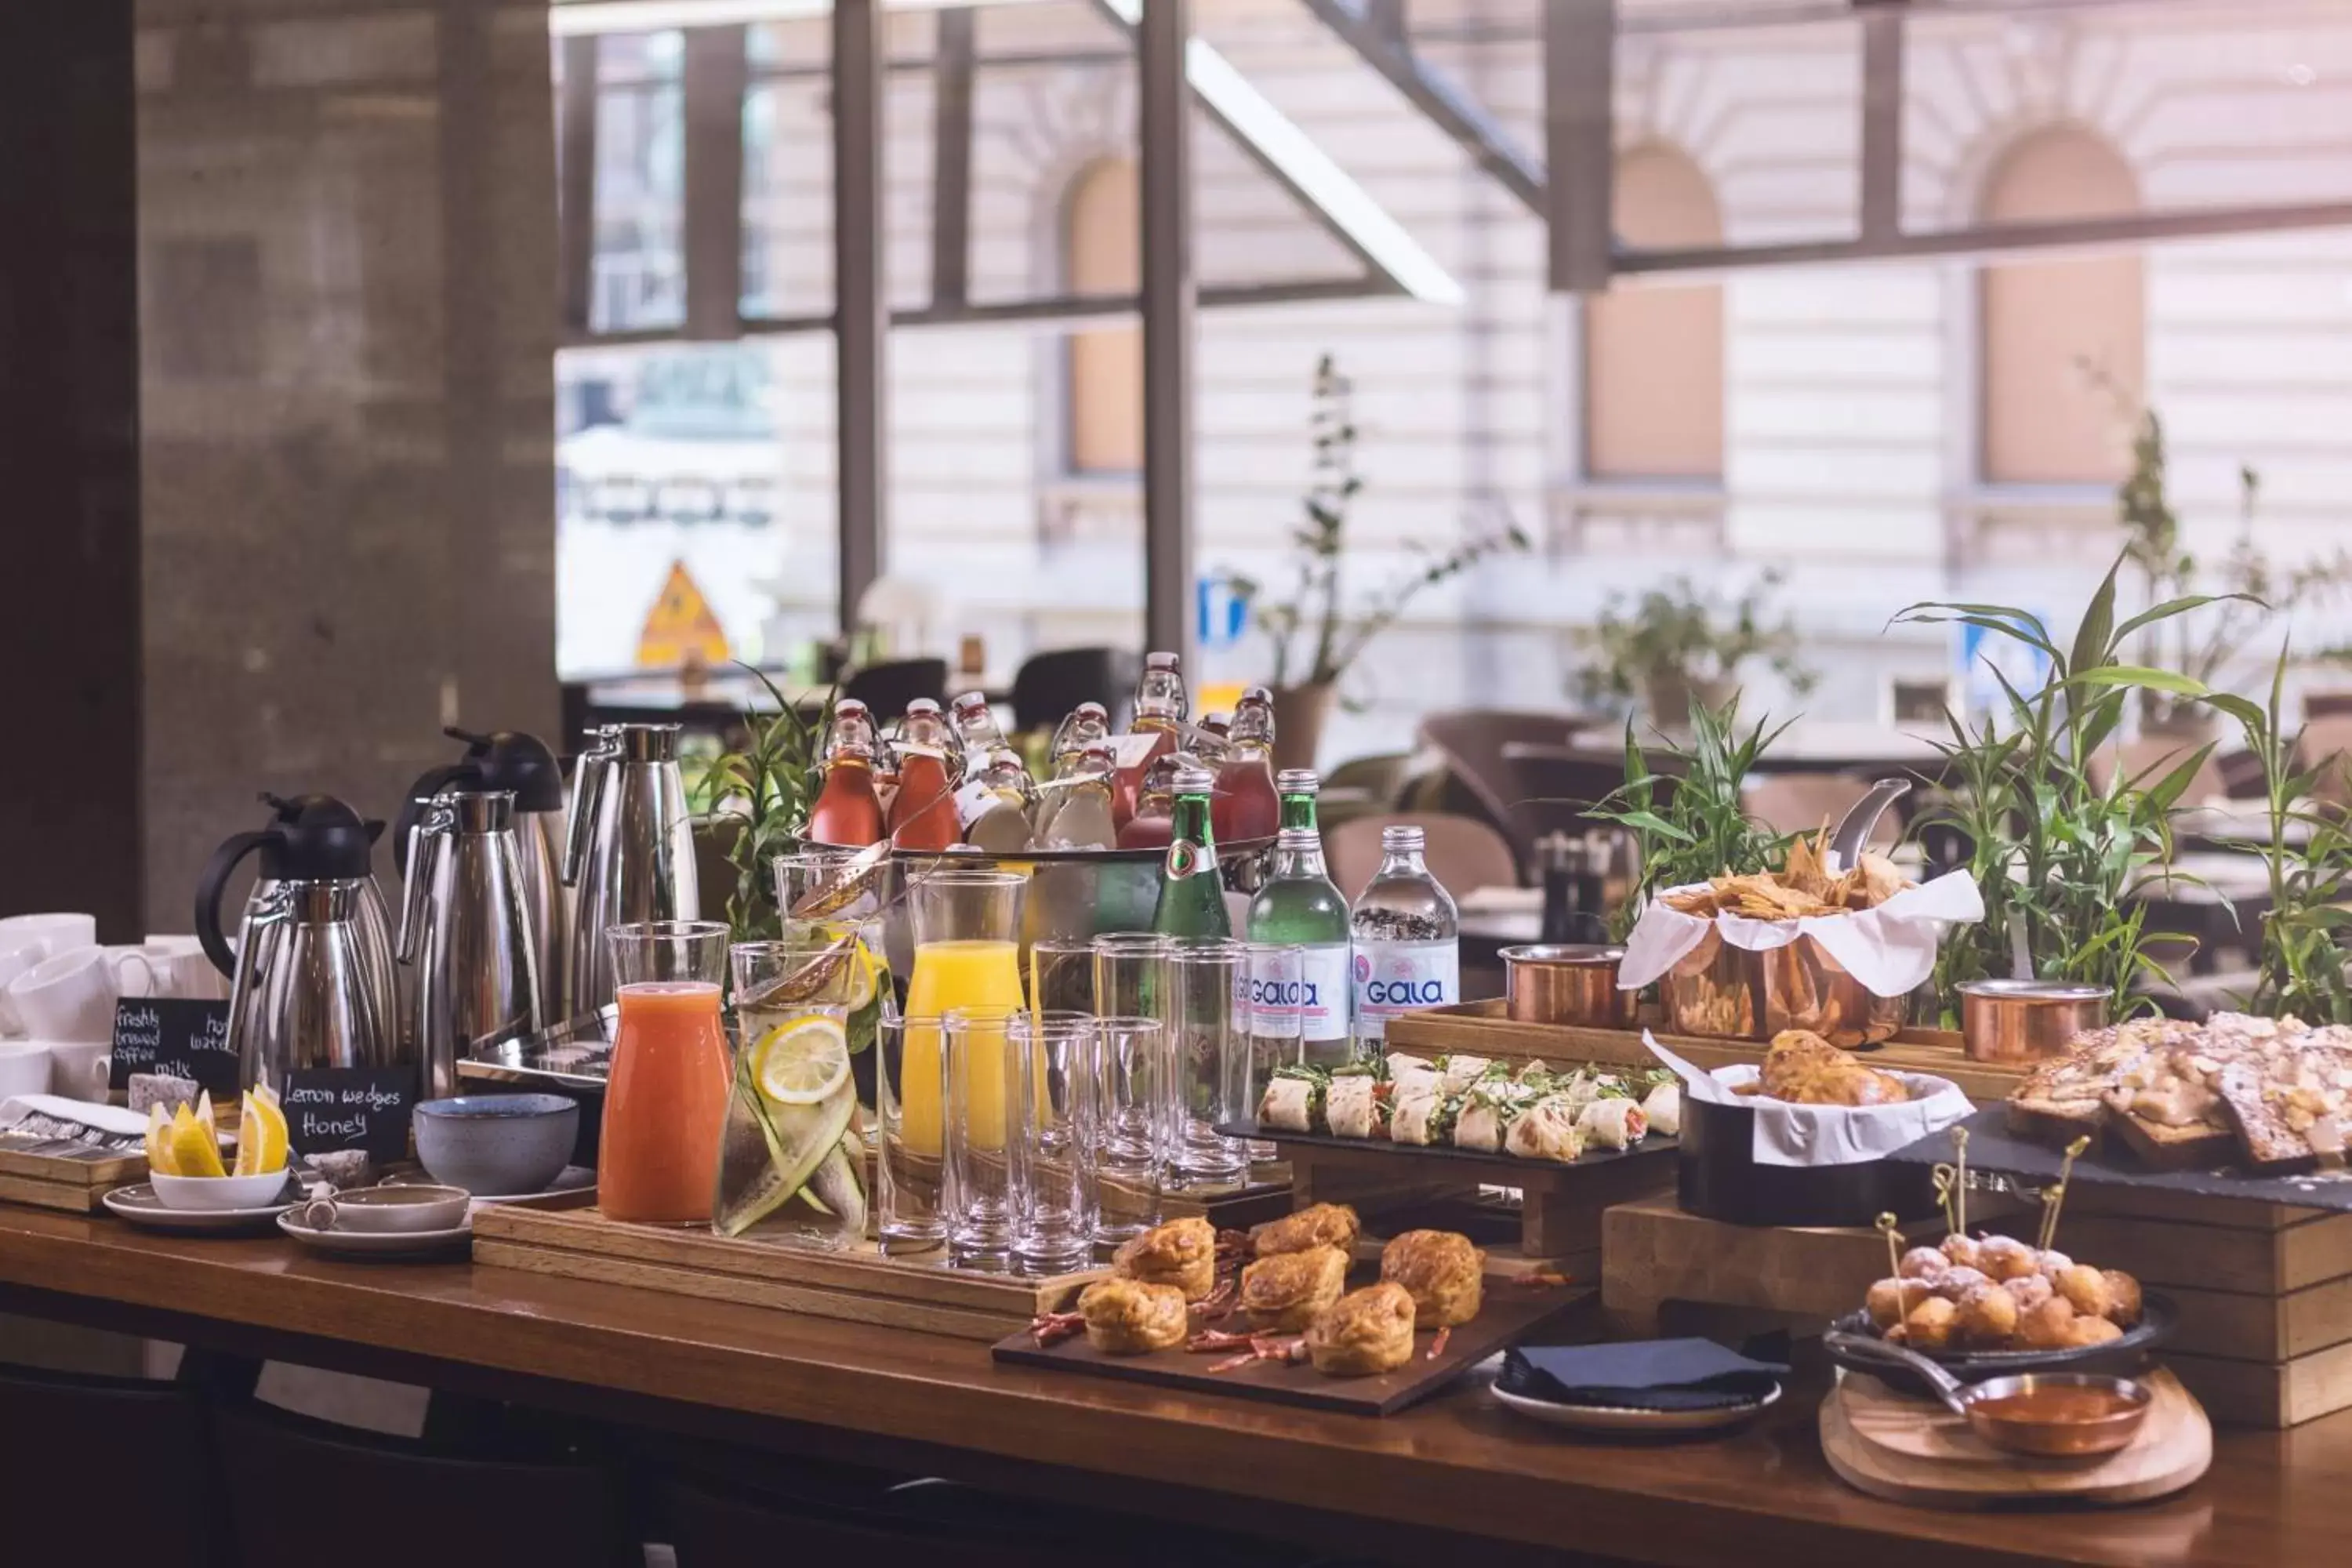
(792, 1162)
(867, 988)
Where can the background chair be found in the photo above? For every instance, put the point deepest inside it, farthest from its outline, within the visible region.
(886, 689)
(1802, 803)
(1461, 852)
(1478, 747)
(2149, 758)
(1049, 684)
(61, 1427)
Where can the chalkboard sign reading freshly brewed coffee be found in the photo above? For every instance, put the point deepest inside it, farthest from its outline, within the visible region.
(350, 1107)
(177, 1036)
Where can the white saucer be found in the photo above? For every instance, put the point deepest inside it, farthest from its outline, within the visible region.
(1611, 1418)
(139, 1205)
(570, 1179)
(375, 1243)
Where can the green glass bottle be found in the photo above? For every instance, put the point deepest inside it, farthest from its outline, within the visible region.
(1191, 893)
(1300, 905)
(1297, 788)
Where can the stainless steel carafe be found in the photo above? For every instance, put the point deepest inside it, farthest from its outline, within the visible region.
(311, 977)
(629, 855)
(466, 926)
(522, 763)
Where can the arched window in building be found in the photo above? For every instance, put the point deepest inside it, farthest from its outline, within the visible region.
(1102, 254)
(1653, 352)
(2059, 339)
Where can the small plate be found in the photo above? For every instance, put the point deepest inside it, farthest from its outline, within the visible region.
(570, 1179)
(139, 1205)
(376, 1242)
(1610, 1418)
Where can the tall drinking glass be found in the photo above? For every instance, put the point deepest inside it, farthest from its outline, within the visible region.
(1131, 978)
(909, 1182)
(1208, 1057)
(1062, 975)
(1276, 997)
(1129, 1064)
(665, 1100)
(1052, 1141)
(968, 955)
(982, 1152)
(792, 1166)
(797, 876)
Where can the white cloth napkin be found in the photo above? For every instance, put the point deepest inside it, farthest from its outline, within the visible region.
(1890, 949)
(57, 1108)
(1789, 1134)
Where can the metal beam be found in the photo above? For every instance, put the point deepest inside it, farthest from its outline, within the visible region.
(1882, 125)
(951, 128)
(1990, 240)
(713, 81)
(861, 314)
(1580, 66)
(1374, 30)
(1164, 133)
(575, 203)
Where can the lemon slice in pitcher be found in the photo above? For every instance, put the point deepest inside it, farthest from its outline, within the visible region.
(802, 1062)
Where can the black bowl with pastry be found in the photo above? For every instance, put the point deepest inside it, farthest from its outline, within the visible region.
(1717, 1175)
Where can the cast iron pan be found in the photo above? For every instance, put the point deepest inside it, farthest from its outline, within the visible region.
(2158, 1317)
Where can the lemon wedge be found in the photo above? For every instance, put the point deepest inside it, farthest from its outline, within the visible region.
(158, 1143)
(261, 1136)
(195, 1147)
(802, 1062)
(865, 968)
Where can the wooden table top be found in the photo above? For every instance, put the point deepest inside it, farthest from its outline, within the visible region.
(1459, 1463)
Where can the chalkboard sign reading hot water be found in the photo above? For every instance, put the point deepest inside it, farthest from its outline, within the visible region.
(176, 1036)
(350, 1107)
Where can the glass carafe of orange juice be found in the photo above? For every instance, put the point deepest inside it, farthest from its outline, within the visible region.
(967, 954)
(666, 1100)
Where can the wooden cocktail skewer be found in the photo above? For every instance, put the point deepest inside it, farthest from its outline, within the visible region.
(1945, 1177)
(2055, 1197)
(1960, 1179)
(1886, 1222)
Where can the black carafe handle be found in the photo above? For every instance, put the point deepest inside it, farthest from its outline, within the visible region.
(215, 882)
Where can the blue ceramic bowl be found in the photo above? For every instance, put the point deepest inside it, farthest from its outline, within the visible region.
(497, 1145)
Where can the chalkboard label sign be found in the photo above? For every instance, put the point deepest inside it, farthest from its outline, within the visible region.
(350, 1107)
(177, 1036)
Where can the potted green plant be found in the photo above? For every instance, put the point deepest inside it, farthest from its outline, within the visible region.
(757, 796)
(1676, 649)
(1318, 631)
(1689, 822)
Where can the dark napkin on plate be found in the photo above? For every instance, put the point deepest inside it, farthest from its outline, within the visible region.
(1641, 1375)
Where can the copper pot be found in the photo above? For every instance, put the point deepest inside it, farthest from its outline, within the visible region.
(2026, 1020)
(1574, 983)
(1738, 993)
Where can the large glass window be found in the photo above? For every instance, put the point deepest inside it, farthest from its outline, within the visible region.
(1653, 352)
(1102, 254)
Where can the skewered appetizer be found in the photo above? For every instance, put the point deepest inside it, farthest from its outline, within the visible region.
(1443, 1272)
(1182, 1253)
(1364, 1332)
(1284, 1292)
(1318, 1225)
(1133, 1317)
(1535, 1112)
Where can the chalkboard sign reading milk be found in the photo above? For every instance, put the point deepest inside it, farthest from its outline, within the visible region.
(177, 1036)
(350, 1107)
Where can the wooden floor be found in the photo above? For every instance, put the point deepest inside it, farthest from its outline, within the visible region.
(1397, 1487)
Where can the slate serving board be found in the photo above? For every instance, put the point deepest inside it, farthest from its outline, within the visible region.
(1993, 1149)
(1474, 1164)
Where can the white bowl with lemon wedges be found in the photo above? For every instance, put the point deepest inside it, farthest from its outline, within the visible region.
(184, 1160)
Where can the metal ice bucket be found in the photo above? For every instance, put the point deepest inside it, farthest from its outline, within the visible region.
(1736, 993)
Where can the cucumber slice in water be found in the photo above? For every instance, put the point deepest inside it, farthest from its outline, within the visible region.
(771, 1151)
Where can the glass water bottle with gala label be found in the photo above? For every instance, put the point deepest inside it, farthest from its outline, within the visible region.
(1300, 905)
(1407, 936)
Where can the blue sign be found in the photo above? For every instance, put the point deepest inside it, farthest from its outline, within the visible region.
(2026, 667)
(1220, 612)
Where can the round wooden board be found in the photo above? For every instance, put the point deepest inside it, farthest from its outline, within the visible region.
(1910, 1450)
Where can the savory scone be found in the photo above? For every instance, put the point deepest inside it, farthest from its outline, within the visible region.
(1130, 1316)
(1444, 1274)
(1182, 1253)
(1318, 1225)
(1283, 1293)
(1363, 1332)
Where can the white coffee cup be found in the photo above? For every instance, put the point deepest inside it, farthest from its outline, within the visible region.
(78, 1068)
(15, 960)
(56, 934)
(71, 996)
(24, 1067)
(181, 969)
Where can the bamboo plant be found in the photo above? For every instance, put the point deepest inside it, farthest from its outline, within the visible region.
(1689, 822)
(765, 788)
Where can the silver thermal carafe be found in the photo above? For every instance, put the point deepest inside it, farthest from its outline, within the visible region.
(465, 926)
(629, 855)
(522, 764)
(311, 977)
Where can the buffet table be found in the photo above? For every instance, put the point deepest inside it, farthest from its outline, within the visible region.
(1456, 1469)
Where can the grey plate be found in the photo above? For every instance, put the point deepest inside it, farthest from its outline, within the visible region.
(1620, 1419)
(376, 1243)
(570, 1179)
(139, 1205)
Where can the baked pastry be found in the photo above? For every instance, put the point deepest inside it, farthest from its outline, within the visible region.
(2124, 1304)
(1318, 1225)
(2006, 1257)
(1131, 1317)
(1988, 1316)
(1924, 1263)
(2048, 1327)
(1182, 1253)
(1283, 1292)
(2085, 1289)
(1929, 1326)
(1363, 1332)
(2086, 1331)
(1442, 1271)
(2031, 1291)
(1803, 1068)
(1891, 1301)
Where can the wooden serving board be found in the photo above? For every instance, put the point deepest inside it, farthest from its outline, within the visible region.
(70, 1184)
(1482, 1028)
(922, 1292)
(1509, 1315)
(1915, 1451)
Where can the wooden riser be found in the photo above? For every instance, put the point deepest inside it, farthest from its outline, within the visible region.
(70, 1197)
(1561, 1209)
(73, 1186)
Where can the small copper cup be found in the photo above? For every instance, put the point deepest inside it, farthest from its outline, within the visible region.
(2026, 1020)
(1570, 983)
